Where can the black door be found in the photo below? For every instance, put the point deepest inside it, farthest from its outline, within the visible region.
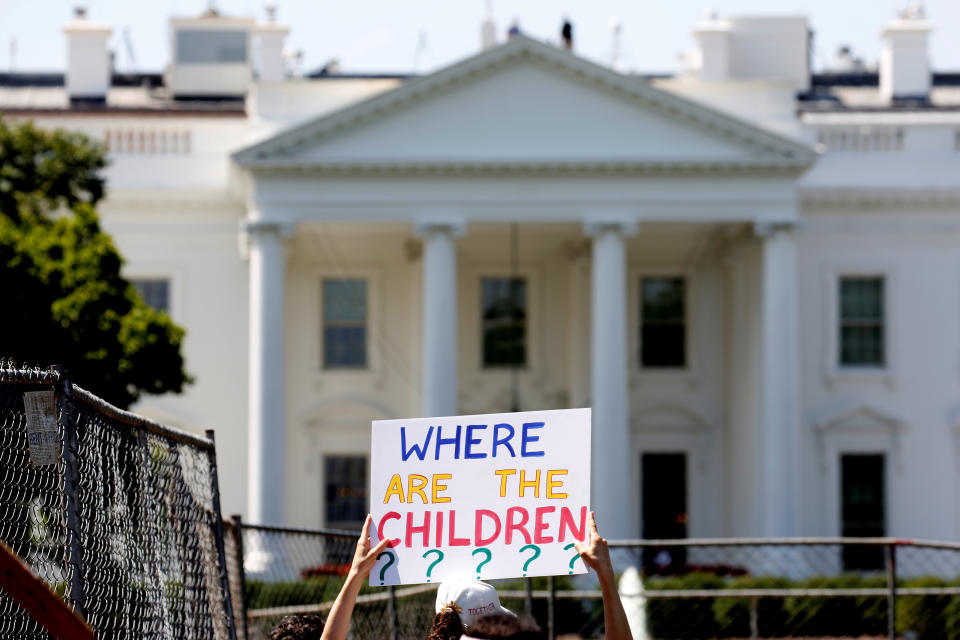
(664, 478)
(862, 508)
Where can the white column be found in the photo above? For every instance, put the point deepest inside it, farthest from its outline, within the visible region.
(440, 382)
(612, 495)
(780, 403)
(265, 491)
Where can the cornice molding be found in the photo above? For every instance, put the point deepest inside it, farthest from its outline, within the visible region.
(653, 167)
(878, 197)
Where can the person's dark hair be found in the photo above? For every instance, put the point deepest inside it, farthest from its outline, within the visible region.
(500, 626)
(446, 625)
(301, 627)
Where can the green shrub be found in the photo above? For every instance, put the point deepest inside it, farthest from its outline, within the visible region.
(733, 614)
(846, 615)
(686, 617)
(928, 616)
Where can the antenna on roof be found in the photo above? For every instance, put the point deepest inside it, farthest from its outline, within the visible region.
(421, 47)
(128, 43)
(616, 28)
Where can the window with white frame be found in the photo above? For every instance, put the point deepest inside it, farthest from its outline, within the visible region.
(504, 321)
(345, 490)
(663, 322)
(344, 323)
(861, 322)
(154, 291)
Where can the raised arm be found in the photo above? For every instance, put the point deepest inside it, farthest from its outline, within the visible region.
(338, 622)
(596, 555)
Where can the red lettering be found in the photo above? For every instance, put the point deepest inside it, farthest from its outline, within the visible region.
(540, 526)
(478, 539)
(454, 541)
(424, 529)
(566, 522)
(439, 528)
(517, 526)
(392, 515)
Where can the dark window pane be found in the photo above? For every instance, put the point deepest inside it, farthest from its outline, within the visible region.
(861, 304)
(663, 330)
(345, 479)
(154, 291)
(504, 309)
(862, 508)
(344, 323)
(664, 509)
(195, 46)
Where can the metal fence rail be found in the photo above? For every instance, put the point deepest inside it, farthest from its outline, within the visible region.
(726, 588)
(124, 523)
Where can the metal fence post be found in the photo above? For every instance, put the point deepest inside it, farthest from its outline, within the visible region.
(218, 537)
(238, 545)
(528, 597)
(754, 618)
(71, 478)
(551, 608)
(892, 591)
(392, 612)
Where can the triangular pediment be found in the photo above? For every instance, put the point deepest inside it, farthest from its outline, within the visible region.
(859, 418)
(525, 104)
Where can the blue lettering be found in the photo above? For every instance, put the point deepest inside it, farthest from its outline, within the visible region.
(527, 437)
(420, 451)
(497, 440)
(472, 441)
(454, 441)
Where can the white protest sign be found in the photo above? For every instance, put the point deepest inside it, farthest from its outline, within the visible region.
(501, 495)
(43, 440)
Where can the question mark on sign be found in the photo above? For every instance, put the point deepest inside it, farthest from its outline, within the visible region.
(435, 562)
(482, 562)
(536, 554)
(574, 558)
(386, 565)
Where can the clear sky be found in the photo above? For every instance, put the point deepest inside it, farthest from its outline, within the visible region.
(421, 35)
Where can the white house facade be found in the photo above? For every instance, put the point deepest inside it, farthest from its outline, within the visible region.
(749, 271)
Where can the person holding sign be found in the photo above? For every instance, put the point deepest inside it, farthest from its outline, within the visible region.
(338, 622)
(484, 618)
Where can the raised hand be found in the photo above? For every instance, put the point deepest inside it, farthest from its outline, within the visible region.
(594, 550)
(365, 557)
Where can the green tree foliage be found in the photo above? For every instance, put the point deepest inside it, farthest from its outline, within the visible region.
(63, 298)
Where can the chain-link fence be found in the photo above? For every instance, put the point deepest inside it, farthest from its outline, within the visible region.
(795, 588)
(119, 515)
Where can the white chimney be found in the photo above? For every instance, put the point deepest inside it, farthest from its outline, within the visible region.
(88, 59)
(272, 64)
(713, 36)
(904, 65)
(488, 29)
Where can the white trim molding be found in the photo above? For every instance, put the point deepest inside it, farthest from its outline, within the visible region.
(688, 376)
(833, 373)
(864, 426)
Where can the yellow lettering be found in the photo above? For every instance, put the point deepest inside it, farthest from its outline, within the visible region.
(524, 483)
(415, 485)
(552, 484)
(395, 489)
(438, 487)
(504, 474)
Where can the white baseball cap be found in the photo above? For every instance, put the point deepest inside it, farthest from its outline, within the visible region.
(472, 599)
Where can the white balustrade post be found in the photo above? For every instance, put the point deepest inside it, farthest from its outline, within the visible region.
(441, 388)
(612, 495)
(780, 390)
(265, 492)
